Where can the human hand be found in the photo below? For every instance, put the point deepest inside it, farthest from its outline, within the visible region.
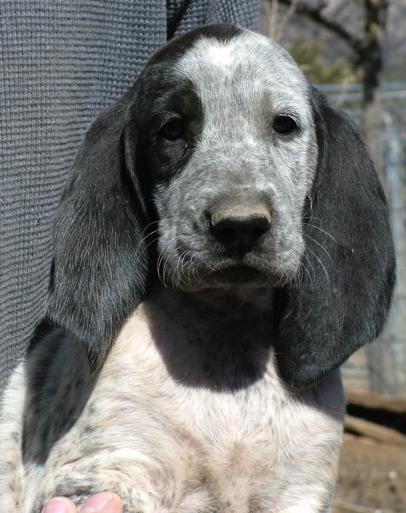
(100, 503)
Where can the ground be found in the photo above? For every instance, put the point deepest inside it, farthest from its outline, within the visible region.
(372, 477)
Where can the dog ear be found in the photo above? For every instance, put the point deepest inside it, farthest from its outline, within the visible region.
(342, 298)
(100, 263)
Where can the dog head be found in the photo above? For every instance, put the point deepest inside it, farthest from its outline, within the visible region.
(227, 145)
(225, 161)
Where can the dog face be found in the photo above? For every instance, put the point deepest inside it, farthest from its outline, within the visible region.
(229, 146)
(224, 157)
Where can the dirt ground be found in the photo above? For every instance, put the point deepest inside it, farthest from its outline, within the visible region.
(372, 477)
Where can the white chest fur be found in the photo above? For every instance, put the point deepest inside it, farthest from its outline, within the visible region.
(167, 428)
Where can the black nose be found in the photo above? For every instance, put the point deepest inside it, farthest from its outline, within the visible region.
(240, 230)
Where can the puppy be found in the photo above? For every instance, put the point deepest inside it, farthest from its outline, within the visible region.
(222, 247)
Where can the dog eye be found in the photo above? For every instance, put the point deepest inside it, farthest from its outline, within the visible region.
(284, 124)
(173, 129)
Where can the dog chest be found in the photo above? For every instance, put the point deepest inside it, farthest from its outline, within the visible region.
(157, 429)
(191, 446)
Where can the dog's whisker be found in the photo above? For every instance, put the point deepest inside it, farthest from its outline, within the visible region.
(188, 266)
(195, 270)
(313, 275)
(183, 275)
(304, 267)
(163, 258)
(320, 245)
(324, 231)
(313, 253)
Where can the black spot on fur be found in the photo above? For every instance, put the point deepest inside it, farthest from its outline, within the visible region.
(54, 400)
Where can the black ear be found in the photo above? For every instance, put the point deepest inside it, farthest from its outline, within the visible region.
(100, 264)
(342, 298)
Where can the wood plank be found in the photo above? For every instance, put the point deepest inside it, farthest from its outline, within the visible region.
(375, 431)
(369, 400)
(347, 507)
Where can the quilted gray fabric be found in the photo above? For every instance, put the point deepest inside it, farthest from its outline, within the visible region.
(62, 62)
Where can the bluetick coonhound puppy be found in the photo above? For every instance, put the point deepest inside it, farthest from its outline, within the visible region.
(225, 229)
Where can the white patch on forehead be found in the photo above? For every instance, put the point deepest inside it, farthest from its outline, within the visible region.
(220, 56)
(255, 52)
(249, 66)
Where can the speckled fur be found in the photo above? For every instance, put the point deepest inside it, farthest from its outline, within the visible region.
(188, 414)
(235, 159)
(154, 430)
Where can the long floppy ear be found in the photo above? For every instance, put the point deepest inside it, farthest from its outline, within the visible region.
(100, 264)
(343, 296)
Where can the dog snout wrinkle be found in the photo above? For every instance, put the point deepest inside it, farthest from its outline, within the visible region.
(240, 227)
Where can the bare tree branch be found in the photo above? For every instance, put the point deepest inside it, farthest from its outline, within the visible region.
(278, 22)
(273, 19)
(371, 56)
(367, 50)
(291, 10)
(316, 15)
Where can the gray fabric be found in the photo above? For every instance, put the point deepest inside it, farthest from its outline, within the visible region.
(62, 62)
